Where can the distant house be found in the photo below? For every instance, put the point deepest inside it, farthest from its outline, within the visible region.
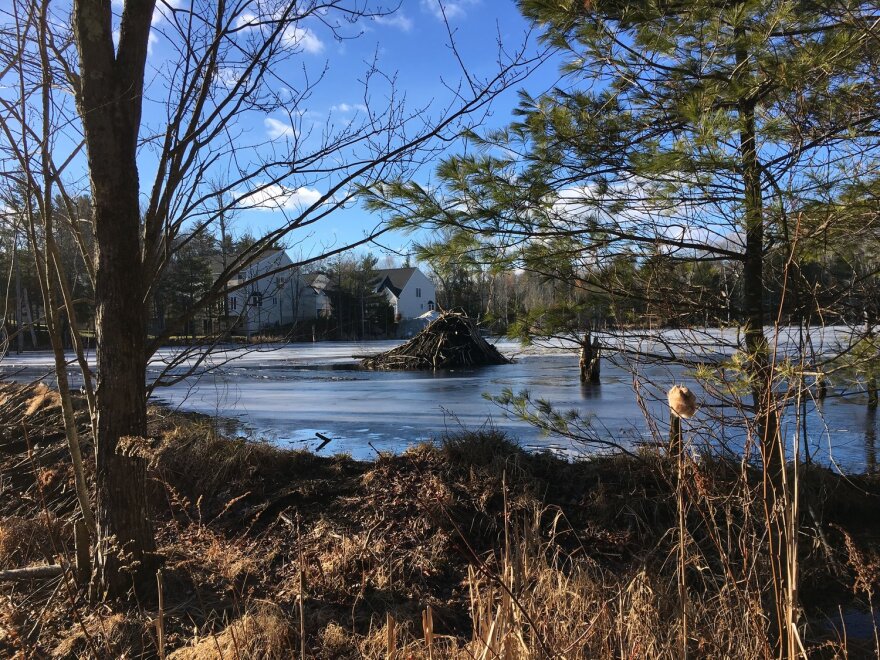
(270, 300)
(309, 297)
(408, 290)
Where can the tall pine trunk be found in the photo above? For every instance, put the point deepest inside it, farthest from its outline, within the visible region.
(761, 371)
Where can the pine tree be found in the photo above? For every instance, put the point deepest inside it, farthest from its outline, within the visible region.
(699, 132)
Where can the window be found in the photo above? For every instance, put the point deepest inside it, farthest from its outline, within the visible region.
(257, 299)
(274, 300)
(233, 303)
(418, 293)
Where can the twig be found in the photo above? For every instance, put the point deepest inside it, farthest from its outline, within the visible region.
(302, 593)
(160, 620)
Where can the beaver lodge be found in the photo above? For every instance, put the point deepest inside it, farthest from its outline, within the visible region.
(452, 340)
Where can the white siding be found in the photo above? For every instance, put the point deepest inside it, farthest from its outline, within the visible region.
(416, 296)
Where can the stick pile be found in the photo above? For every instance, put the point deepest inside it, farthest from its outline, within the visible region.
(452, 340)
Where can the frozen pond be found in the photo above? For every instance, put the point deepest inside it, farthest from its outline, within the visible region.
(291, 393)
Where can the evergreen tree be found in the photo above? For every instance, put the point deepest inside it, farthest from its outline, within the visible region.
(185, 280)
(358, 310)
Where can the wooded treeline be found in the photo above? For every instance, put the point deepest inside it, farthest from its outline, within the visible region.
(191, 273)
(629, 292)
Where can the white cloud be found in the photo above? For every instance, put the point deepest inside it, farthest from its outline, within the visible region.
(162, 12)
(643, 209)
(347, 107)
(280, 198)
(298, 37)
(228, 77)
(293, 36)
(397, 20)
(246, 19)
(164, 9)
(276, 129)
(451, 8)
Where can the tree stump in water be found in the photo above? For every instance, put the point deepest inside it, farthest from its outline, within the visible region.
(589, 361)
(821, 386)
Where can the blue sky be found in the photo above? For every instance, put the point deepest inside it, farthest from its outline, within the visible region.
(410, 44)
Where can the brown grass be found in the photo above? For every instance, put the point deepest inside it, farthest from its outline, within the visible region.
(26, 541)
(43, 398)
(102, 634)
(262, 634)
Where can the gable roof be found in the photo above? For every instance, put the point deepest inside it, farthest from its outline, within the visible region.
(393, 279)
(317, 280)
(216, 260)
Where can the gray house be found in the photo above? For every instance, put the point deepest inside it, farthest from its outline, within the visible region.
(270, 299)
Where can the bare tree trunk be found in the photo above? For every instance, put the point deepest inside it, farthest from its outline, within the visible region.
(45, 263)
(109, 101)
(123, 520)
(871, 384)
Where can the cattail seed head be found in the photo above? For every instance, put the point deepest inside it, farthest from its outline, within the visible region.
(682, 401)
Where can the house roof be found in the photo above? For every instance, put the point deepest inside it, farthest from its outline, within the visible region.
(393, 279)
(216, 260)
(317, 280)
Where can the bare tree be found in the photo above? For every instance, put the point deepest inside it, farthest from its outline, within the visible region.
(86, 91)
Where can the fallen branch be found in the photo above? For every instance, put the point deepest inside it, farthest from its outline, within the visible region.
(324, 441)
(32, 573)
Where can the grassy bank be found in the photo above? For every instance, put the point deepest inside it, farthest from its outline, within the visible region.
(468, 548)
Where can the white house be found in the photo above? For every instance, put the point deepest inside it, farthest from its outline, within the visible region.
(272, 299)
(408, 290)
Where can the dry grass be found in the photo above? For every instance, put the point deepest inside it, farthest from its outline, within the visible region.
(102, 634)
(262, 634)
(26, 541)
(43, 398)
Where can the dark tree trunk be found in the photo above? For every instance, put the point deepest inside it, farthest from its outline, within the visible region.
(109, 102)
(125, 539)
(764, 400)
(871, 383)
(589, 359)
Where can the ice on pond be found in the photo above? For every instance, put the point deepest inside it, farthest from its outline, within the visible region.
(289, 394)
